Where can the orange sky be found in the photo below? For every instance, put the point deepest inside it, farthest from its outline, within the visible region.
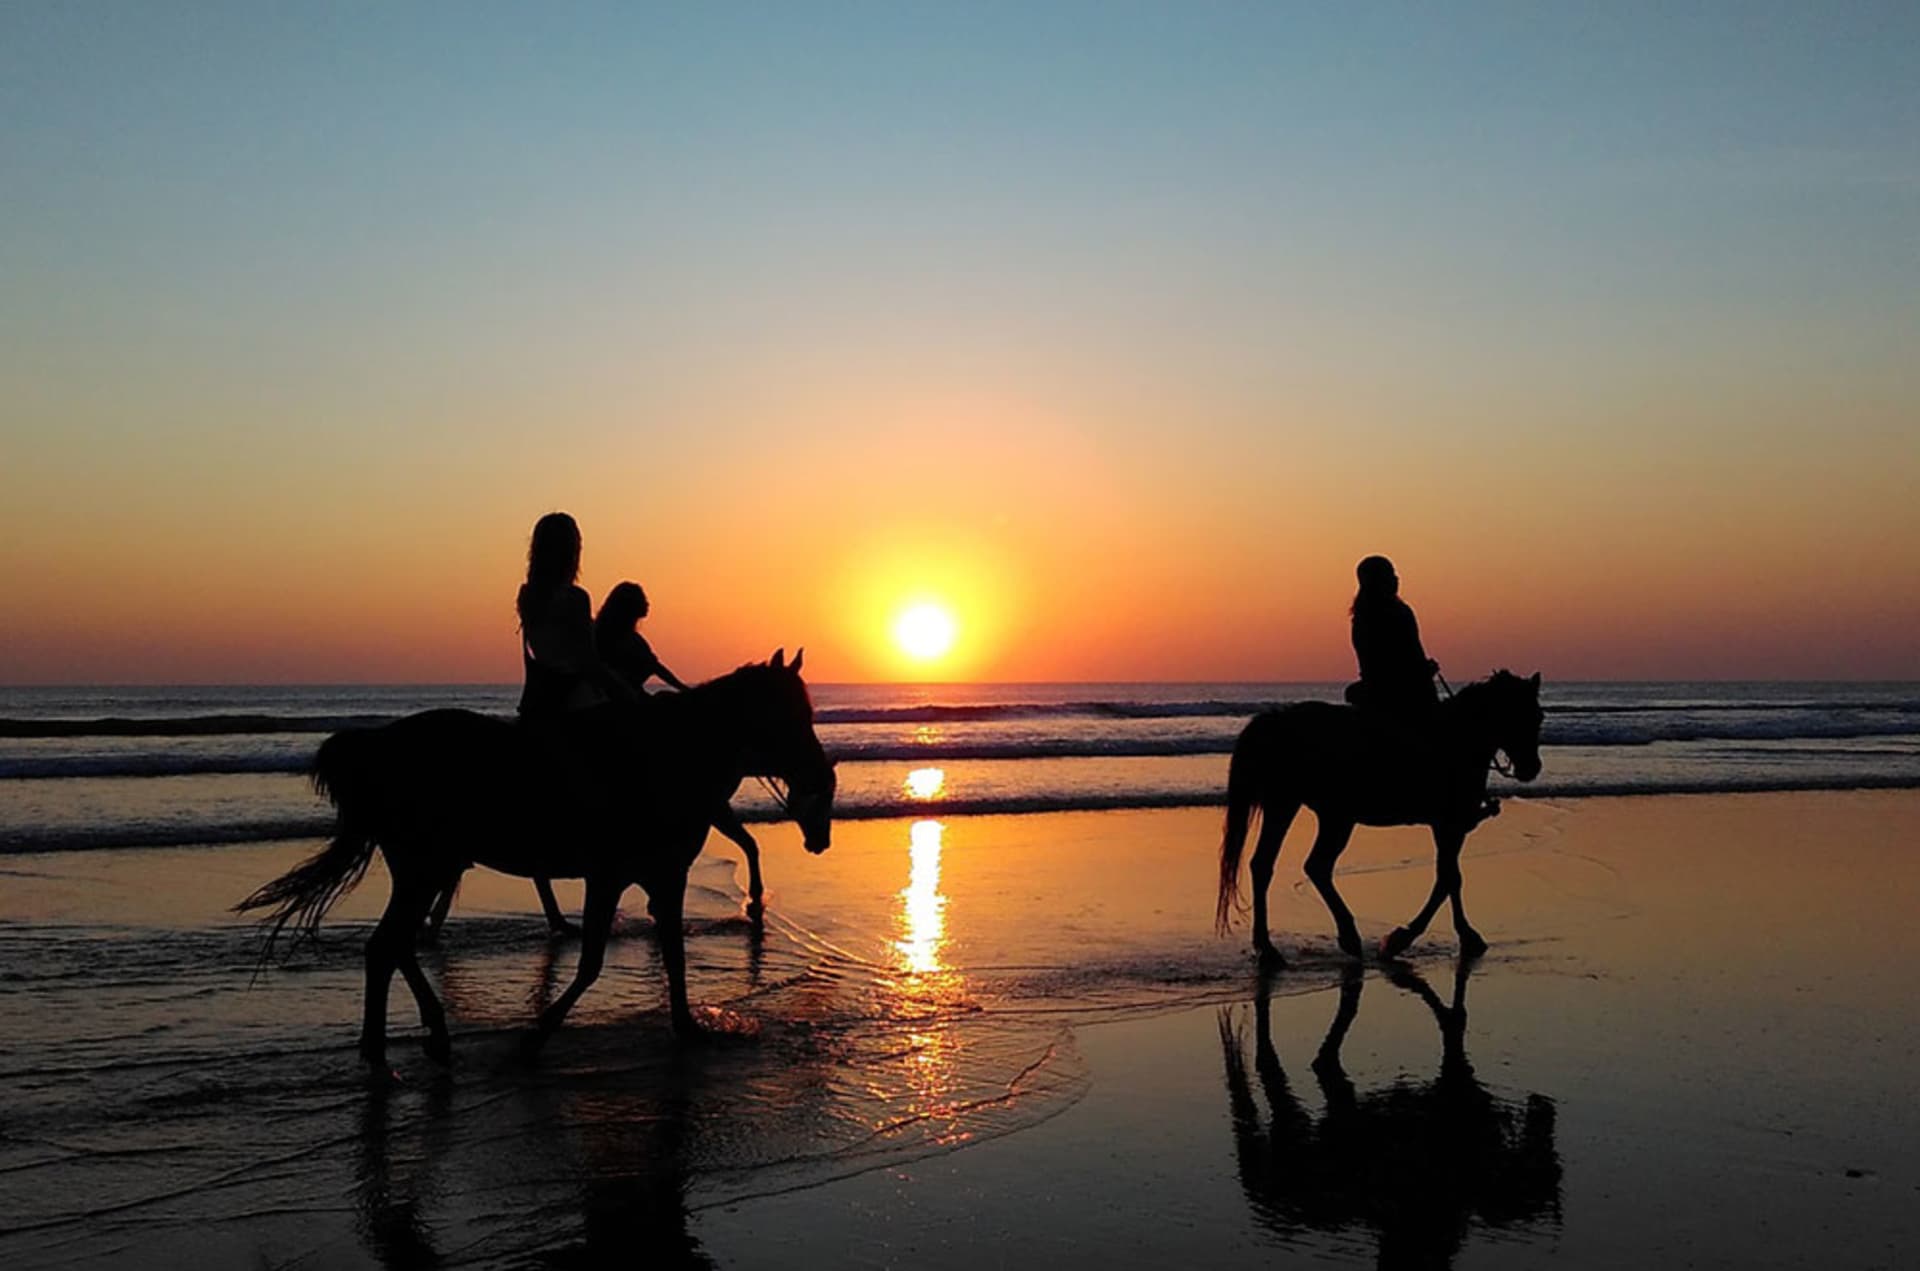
(1127, 348)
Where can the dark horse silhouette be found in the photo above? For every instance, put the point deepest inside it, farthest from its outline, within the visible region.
(1415, 1163)
(725, 820)
(1354, 769)
(437, 792)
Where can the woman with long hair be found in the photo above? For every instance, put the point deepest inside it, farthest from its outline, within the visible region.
(1395, 672)
(622, 649)
(563, 671)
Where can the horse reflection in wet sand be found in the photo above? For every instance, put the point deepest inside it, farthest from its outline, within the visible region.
(437, 792)
(1354, 769)
(1416, 1164)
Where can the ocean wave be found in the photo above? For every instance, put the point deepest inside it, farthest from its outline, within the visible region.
(20, 841)
(188, 725)
(892, 749)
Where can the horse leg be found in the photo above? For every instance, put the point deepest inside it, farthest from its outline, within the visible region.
(389, 946)
(603, 898)
(557, 923)
(668, 905)
(1273, 831)
(1327, 846)
(437, 916)
(1446, 882)
(433, 1017)
(1472, 945)
(729, 825)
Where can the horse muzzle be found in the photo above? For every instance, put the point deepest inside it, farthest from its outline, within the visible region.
(1526, 767)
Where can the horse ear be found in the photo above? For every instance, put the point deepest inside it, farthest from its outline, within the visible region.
(1536, 681)
(798, 658)
(779, 658)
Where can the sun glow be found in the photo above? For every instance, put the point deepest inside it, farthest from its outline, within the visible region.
(925, 631)
(926, 783)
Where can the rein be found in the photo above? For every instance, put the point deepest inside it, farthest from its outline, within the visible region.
(773, 787)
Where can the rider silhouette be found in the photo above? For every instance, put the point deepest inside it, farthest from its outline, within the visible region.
(563, 669)
(623, 650)
(1396, 675)
(568, 689)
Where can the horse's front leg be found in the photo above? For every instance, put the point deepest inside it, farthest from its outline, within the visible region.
(1472, 945)
(557, 923)
(667, 904)
(603, 898)
(728, 823)
(1447, 841)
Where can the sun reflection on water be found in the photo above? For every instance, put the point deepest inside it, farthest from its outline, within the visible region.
(927, 991)
(926, 783)
(923, 909)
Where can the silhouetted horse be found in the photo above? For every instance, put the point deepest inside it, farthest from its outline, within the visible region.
(439, 791)
(1412, 1162)
(725, 820)
(1354, 769)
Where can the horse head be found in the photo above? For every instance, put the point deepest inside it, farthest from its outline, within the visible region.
(782, 745)
(1514, 718)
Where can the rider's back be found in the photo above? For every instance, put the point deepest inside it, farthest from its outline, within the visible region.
(557, 651)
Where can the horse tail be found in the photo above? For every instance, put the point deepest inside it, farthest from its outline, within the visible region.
(1243, 810)
(300, 898)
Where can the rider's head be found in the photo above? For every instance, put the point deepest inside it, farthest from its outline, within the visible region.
(626, 604)
(553, 555)
(1377, 577)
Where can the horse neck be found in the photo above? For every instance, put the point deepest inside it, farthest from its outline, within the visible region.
(709, 716)
(1467, 718)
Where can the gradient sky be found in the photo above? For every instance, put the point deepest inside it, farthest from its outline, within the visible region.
(1125, 328)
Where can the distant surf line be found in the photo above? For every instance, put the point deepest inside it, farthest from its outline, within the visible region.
(135, 835)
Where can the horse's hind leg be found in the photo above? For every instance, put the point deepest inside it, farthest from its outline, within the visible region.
(597, 920)
(1273, 832)
(1447, 843)
(391, 946)
(1327, 846)
(433, 1016)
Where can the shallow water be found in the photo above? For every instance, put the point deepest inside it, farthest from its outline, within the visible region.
(1005, 1034)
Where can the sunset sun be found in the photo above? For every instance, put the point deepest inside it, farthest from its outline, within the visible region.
(925, 631)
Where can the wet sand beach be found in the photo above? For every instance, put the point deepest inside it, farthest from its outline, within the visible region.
(1003, 1040)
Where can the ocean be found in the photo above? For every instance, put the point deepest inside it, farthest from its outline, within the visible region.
(84, 768)
(1046, 992)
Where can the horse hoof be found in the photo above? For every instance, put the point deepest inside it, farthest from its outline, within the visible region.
(439, 1049)
(1269, 959)
(1350, 944)
(1398, 941)
(756, 910)
(1471, 945)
